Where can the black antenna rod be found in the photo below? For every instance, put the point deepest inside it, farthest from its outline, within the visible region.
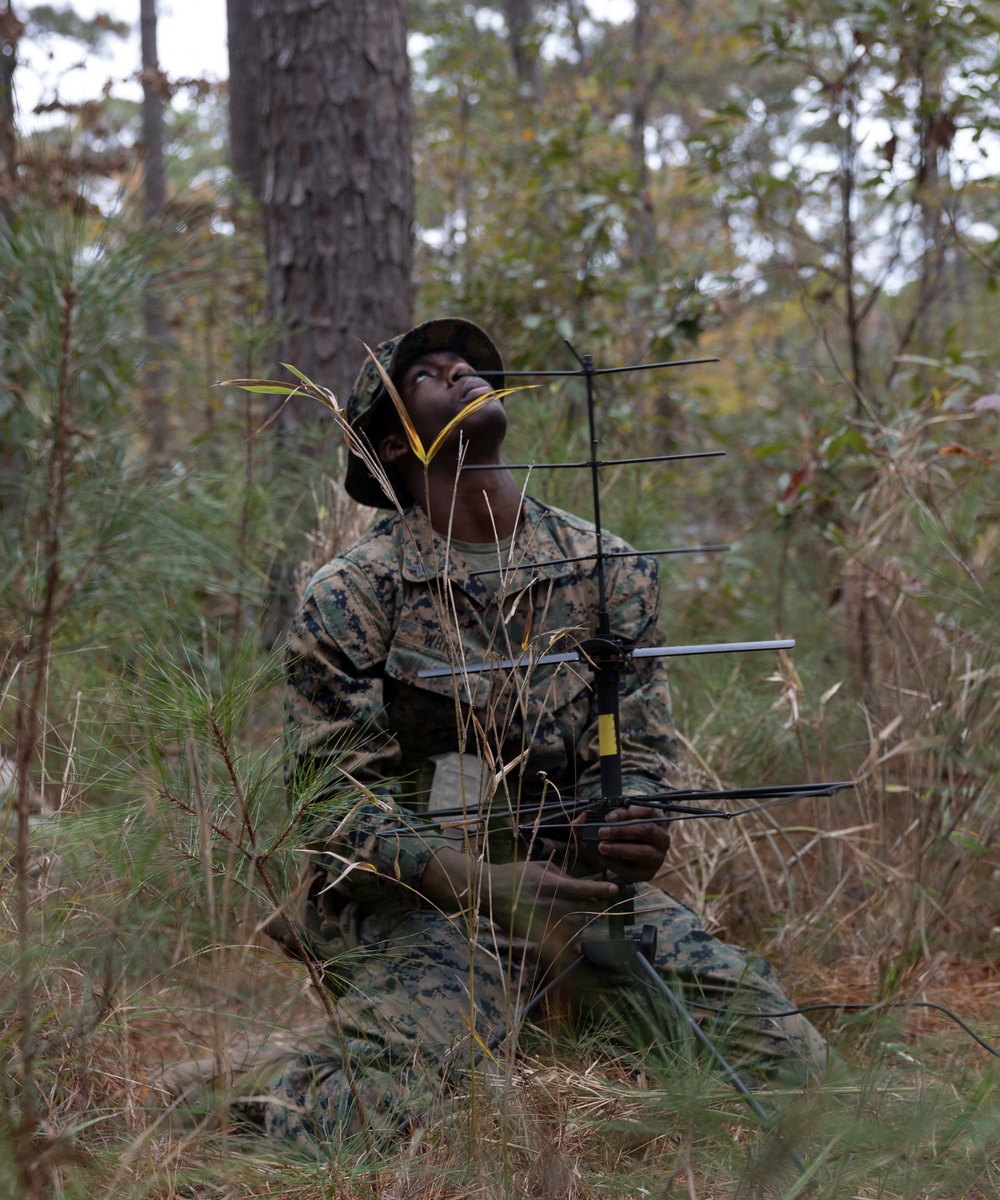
(601, 462)
(587, 362)
(677, 362)
(604, 651)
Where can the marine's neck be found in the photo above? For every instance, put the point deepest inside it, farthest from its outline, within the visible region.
(480, 506)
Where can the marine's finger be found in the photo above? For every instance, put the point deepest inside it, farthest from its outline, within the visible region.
(634, 852)
(634, 812)
(568, 887)
(637, 831)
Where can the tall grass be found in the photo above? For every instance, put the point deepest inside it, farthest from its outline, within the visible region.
(146, 834)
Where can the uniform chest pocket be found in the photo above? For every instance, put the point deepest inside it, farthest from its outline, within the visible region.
(422, 642)
(505, 698)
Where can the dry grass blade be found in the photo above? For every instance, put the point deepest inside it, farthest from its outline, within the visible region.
(416, 445)
(265, 387)
(356, 441)
(274, 387)
(472, 407)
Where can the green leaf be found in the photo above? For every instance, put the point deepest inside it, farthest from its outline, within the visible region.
(965, 371)
(919, 360)
(967, 842)
(299, 375)
(843, 442)
(264, 387)
(770, 449)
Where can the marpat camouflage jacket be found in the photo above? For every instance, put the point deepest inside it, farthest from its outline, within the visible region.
(361, 726)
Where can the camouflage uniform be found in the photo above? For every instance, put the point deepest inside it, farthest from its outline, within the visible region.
(420, 989)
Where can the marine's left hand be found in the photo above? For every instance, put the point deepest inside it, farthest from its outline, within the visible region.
(632, 845)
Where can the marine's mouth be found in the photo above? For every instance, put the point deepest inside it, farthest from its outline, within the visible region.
(473, 389)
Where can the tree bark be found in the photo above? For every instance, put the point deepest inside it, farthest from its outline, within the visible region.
(157, 331)
(520, 15)
(337, 188)
(244, 90)
(10, 34)
(853, 316)
(642, 226)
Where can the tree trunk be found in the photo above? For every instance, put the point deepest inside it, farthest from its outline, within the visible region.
(642, 225)
(244, 90)
(853, 315)
(157, 331)
(526, 66)
(10, 33)
(337, 189)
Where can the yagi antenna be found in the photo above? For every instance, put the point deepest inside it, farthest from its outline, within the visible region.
(594, 465)
(605, 653)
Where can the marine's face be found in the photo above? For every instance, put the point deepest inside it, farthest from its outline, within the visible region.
(438, 385)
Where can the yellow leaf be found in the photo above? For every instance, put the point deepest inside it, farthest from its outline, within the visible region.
(473, 406)
(484, 1046)
(416, 445)
(527, 627)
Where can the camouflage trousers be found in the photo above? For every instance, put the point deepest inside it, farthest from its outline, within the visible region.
(428, 996)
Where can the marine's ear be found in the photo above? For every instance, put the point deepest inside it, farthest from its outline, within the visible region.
(393, 447)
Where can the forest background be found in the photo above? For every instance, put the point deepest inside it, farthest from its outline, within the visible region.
(806, 190)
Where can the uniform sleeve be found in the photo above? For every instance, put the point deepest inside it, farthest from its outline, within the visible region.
(341, 758)
(648, 739)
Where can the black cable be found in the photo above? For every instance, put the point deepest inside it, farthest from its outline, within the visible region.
(873, 1008)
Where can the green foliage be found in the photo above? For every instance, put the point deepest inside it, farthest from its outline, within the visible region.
(848, 156)
(110, 565)
(91, 32)
(533, 215)
(70, 357)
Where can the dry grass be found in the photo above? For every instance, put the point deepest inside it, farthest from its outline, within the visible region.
(145, 945)
(339, 523)
(584, 1131)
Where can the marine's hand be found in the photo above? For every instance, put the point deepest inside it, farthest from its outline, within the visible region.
(632, 845)
(533, 900)
(537, 900)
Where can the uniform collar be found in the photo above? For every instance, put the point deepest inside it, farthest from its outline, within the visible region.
(425, 555)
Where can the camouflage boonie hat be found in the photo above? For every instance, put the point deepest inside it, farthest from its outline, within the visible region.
(448, 333)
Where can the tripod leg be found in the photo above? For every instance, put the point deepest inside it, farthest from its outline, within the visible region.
(679, 1007)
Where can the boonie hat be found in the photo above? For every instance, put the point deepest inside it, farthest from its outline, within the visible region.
(395, 355)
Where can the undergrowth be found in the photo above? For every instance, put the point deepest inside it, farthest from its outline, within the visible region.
(146, 836)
